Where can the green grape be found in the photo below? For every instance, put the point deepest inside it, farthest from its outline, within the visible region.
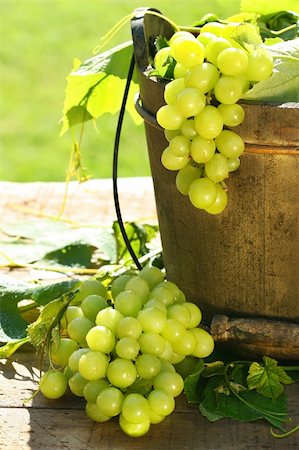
(209, 122)
(134, 429)
(217, 168)
(139, 286)
(220, 203)
(155, 418)
(190, 101)
(173, 330)
(187, 51)
(128, 303)
(180, 298)
(73, 361)
(155, 303)
(202, 193)
(110, 401)
(118, 284)
(187, 366)
(233, 115)
(186, 176)
(168, 351)
(215, 28)
(172, 287)
(179, 71)
(77, 383)
(109, 318)
(161, 57)
(78, 328)
(179, 312)
(100, 339)
(205, 343)
(152, 343)
(260, 65)
(92, 304)
(89, 287)
(121, 373)
(179, 146)
(169, 117)
(67, 372)
(166, 366)
(172, 89)
(92, 411)
(162, 294)
(180, 34)
(233, 164)
(232, 61)
(127, 348)
(188, 129)
(148, 366)
(230, 144)
(176, 358)
(173, 162)
(72, 312)
(129, 327)
(228, 90)
(93, 388)
(203, 76)
(214, 47)
(205, 37)
(152, 275)
(195, 314)
(202, 149)
(53, 384)
(170, 382)
(170, 134)
(60, 354)
(93, 365)
(161, 402)
(152, 319)
(135, 408)
(186, 345)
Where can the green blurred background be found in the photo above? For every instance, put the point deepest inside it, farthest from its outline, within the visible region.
(39, 39)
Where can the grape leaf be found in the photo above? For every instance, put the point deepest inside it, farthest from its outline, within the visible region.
(97, 85)
(267, 379)
(12, 325)
(283, 85)
(250, 405)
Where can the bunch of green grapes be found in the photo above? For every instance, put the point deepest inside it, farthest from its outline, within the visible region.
(127, 350)
(211, 74)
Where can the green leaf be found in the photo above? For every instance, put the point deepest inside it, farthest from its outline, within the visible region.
(214, 368)
(267, 379)
(12, 325)
(191, 384)
(30, 241)
(283, 85)
(139, 237)
(73, 255)
(272, 25)
(97, 87)
(248, 406)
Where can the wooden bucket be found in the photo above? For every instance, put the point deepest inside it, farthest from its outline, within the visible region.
(241, 266)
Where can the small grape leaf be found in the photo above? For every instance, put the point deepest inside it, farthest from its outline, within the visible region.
(191, 383)
(267, 378)
(73, 255)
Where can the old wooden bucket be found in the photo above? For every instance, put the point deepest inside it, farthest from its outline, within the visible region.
(242, 266)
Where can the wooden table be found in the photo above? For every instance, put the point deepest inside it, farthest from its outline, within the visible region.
(42, 424)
